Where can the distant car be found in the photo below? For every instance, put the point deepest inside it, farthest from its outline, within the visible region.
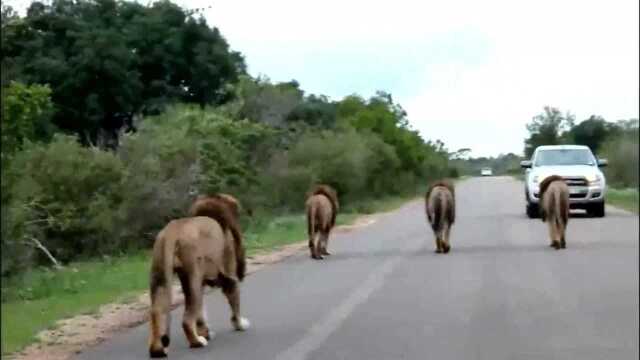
(486, 171)
(579, 168)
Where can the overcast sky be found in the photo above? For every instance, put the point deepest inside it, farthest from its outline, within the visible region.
(471, 73)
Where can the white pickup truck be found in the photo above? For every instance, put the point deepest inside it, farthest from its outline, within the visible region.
(580, 169)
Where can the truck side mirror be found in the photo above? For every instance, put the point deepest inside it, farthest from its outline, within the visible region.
(525, 164)
(602, 162)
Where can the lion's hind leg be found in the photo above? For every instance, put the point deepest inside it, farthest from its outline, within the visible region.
(159, 320)
(554, 235)
(324, 242)
(446, 245)
(438, 243)
(160, 315)
(192, 288)
(439, 234)
(232, 292)
(562, 231)
(315, 247)
(201, 325)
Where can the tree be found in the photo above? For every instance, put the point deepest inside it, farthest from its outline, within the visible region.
(269, 103)
(548, 128)
(592, 132)
(315, 111)
(26, 113)
(621, 149)
(11, 26)
(462, 153)
(109, 60)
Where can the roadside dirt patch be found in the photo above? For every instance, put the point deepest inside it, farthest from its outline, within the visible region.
(360, 222)
(70, 336)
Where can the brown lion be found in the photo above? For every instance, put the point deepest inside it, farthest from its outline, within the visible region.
(225, 209)
(322, 209)
(554, 209)
(440, 206)
(201, 250)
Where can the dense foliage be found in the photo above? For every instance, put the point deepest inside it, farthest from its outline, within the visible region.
(107, 60)
(116, 114)
(621, 149)
(548, 128)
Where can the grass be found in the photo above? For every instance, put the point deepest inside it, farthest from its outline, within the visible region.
(623, 198)
(282, 231)
(37, 299)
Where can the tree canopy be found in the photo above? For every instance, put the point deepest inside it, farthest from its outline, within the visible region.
(592, 132)
(109, 60)
(547, 128)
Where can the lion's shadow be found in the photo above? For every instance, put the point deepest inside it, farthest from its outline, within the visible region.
(428, 252)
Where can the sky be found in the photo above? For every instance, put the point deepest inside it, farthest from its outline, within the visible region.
(470, 73)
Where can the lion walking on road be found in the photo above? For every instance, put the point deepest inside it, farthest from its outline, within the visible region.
(201, 250)
(322, 209)
(554, 200)
(441, 212)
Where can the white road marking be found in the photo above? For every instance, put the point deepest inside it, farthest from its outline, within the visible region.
(315, 336)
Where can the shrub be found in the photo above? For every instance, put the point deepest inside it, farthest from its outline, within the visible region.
(622, 154)
(359, 165)
(65, 195)
(159, 179)
(80, 201)
(26, 114)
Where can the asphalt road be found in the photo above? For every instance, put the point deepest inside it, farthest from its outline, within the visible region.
(501, 293)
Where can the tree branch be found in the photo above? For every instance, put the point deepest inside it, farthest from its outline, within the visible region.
(37, 244)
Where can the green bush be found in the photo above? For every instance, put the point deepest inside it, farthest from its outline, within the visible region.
(26, 114)
(65, 195)
(220, 154)
(359, 165)
(338, 159)
(622, 154)
(453, 172)
(160, 172)
(81, 202)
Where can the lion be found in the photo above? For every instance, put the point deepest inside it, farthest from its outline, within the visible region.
(554, 209)
(214, 206)
(321, 208)
(201, 250)
(440, 206)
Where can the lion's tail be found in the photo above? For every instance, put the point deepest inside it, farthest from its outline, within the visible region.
(241, 265)
(224, 215)
(329, 193)
(160, 292)
(558, 211)
(311, 218)
(437, 205)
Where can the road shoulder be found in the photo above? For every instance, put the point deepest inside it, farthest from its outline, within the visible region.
(71, 336)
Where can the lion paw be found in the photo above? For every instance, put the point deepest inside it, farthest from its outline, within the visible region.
(242, 324)
(201, 341)
(162, 353)
(208, 335)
